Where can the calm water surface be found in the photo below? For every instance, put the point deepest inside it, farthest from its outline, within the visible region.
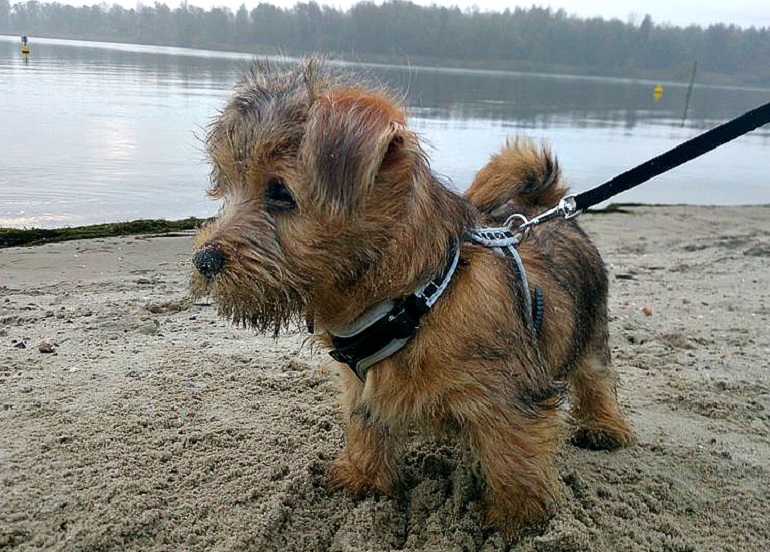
(94, 132)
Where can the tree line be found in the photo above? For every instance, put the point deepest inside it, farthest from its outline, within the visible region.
(536, 38)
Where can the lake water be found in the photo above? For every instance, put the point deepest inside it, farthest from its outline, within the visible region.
(95, 132)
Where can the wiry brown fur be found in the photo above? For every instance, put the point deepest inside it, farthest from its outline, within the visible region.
(521, 173)
(371, 223)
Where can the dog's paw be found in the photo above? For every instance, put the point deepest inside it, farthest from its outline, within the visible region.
(527, 518)
(346, 476)
(603, 438)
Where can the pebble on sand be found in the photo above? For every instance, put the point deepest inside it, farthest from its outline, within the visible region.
(47, 346)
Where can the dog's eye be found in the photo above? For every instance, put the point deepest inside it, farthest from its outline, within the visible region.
(278, 197)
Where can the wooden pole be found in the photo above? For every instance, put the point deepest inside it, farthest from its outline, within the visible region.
(689, 91)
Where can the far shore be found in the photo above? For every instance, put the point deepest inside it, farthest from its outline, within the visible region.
(675, 75)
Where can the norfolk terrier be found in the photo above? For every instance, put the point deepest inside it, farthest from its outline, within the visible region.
(332, 214)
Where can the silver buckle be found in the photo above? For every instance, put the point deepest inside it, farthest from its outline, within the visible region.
(567, 209)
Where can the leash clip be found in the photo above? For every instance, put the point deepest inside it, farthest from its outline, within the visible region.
(566, 209)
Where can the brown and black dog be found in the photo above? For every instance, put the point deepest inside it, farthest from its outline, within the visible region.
(331, 209)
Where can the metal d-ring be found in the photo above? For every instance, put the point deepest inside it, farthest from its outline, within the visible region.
(521, 228)
(516, 216)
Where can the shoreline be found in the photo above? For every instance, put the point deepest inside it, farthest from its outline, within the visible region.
(134, 419)
(34, 236)
(22, 237)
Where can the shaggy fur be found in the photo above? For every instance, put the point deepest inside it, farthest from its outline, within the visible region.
(330, 207)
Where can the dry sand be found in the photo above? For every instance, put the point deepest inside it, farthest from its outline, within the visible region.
(153, 425)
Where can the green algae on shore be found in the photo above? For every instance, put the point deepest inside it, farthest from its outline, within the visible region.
(20, 237)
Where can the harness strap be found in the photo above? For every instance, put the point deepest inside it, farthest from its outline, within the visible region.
(504, 242)
(538, 310)
(385, 328)
(513, 252)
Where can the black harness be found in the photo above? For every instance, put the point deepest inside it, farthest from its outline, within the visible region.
(387, 327)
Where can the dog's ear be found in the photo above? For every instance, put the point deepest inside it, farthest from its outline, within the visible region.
(355, 140)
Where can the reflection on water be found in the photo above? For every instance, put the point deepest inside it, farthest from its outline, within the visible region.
(95, 132)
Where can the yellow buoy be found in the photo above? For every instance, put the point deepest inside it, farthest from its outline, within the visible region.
(658, 91)
(25, 49)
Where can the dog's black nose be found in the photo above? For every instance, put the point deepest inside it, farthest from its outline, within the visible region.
(209, 261)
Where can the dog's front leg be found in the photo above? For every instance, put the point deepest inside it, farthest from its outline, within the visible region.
(367, 463)
(517, 453)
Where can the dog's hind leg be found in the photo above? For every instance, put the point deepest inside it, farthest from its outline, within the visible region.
(600, 425)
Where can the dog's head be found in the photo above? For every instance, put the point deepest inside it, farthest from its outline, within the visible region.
(319, 180)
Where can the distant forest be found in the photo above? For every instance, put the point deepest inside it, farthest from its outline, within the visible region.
(534, 39)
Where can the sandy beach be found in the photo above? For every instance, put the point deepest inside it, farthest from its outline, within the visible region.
(134, 419)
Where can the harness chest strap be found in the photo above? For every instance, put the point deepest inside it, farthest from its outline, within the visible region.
(386, 328)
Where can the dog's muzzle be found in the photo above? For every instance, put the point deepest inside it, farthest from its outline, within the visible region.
(209, 261)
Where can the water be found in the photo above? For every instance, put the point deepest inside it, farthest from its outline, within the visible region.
(94, 132)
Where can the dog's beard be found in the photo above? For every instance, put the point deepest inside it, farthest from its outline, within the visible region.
(253, 301)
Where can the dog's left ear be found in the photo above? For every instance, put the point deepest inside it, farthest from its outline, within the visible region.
(355, 139)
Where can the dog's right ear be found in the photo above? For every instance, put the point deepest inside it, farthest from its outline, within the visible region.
(354, 139)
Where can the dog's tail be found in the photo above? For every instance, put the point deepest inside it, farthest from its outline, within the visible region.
(522, 175)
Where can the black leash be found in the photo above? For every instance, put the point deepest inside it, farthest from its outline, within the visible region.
(573, 205)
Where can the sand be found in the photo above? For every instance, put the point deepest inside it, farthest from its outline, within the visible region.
(132, 419)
